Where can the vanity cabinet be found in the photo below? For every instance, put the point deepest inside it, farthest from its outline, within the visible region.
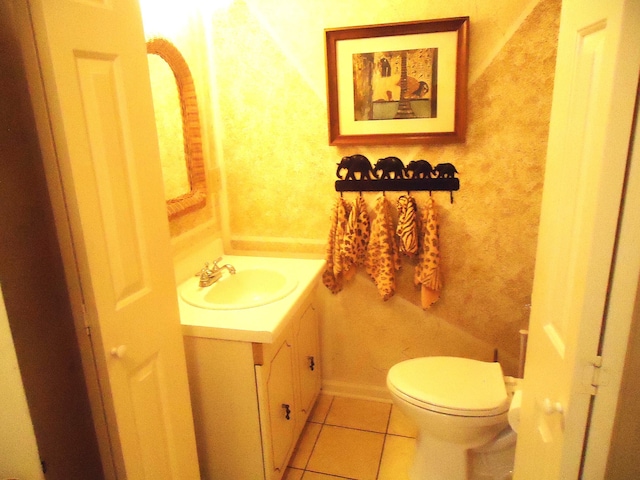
(251, 400)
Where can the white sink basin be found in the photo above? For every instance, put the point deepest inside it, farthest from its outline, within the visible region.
(245, 289)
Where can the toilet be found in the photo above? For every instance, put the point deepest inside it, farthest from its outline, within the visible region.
(458, 405)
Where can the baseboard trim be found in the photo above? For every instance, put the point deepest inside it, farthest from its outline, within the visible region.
(353, 390)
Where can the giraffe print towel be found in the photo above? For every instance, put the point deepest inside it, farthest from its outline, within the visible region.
(332, 277)
(354, 246)
(427, 271)
(382, 259)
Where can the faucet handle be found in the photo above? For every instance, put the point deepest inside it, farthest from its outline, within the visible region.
(203, 271)
(215, 262)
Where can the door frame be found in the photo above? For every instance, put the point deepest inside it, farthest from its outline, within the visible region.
(619, 317)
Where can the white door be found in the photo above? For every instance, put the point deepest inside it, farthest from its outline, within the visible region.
(92, 58)
(593, 102)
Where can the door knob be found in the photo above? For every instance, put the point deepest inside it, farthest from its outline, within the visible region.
(550, 407)
(118, 352)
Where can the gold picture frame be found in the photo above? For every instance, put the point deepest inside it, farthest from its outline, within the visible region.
(398, 83)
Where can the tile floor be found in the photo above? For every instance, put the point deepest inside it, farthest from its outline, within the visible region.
(354, 439)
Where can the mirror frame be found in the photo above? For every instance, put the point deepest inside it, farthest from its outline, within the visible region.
(196, 198)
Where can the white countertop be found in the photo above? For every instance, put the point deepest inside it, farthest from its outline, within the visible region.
(257, 324)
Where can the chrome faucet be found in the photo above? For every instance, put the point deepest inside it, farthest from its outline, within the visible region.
(209, 276)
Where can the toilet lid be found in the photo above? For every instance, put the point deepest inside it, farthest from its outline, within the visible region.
(457, 386)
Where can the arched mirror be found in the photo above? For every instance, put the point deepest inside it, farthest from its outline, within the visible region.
(178, 126)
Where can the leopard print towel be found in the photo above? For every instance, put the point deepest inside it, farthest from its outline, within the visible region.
(382, 259)
(427, 271)
(354, 246)
(407, 229)
(332, 276)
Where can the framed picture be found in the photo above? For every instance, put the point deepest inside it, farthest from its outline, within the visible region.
(398, 83)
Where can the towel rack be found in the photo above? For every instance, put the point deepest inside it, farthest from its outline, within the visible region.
(390, 174)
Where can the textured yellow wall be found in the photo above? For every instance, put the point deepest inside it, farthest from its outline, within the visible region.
(265, 120)
(279, 173)
(269, 68)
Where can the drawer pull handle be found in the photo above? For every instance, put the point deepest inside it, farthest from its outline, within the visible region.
(287, 410)
(312, 363)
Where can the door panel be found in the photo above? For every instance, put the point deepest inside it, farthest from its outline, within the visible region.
(146, 386)
(282, 407)
(577, 176)
(104, 111)
(92, 58)
(308, 359)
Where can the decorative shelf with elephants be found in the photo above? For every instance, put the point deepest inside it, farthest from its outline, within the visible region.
(390, 174)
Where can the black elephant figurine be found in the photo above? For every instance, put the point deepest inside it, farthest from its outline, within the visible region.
(445, 170)
(418, 169)
(355, 164)
(387, 166)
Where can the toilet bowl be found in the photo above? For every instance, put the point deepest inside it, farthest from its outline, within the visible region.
(457, 404)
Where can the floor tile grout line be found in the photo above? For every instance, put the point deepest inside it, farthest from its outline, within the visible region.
(384, 443)
(306, 464)
(386, 430)
(323, 423)
(332, 475)
(326, 415)
(402, 435)
(354, 428)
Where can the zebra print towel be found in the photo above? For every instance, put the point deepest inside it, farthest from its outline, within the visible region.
(407, 229)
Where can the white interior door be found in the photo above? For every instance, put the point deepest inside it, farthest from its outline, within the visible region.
(594, 93)
(92, 61)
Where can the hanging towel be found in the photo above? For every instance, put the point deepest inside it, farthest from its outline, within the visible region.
(407, 229)
(427, 271)
(354, 246)
(382, 259)
(332, 276)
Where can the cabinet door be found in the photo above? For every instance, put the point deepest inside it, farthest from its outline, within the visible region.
(281, 404)
(308, 359)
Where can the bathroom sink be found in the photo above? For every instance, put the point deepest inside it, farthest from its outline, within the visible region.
(244, 289)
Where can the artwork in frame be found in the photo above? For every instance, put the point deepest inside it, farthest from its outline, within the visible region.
(398, 83)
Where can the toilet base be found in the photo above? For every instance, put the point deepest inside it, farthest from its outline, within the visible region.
(494, 461)
(438, 461)
(445, 461)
